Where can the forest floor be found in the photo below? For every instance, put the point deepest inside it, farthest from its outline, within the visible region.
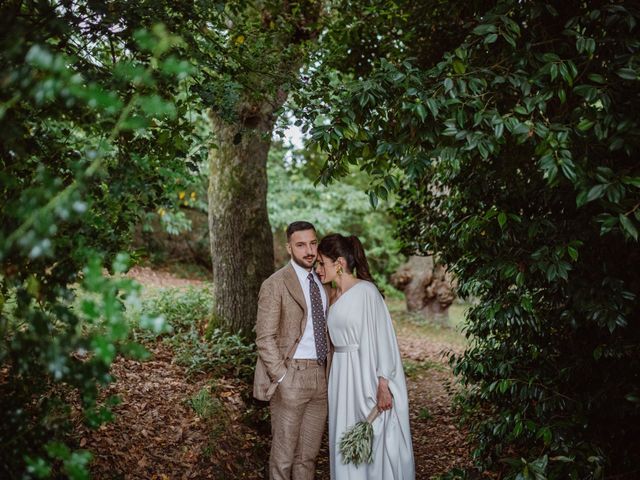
(169, 425)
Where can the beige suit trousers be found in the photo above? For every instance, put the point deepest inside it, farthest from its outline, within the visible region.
(298, 420)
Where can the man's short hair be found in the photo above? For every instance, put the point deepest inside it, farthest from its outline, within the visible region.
(297, 227)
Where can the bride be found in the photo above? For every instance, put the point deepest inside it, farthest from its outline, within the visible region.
(366, 370)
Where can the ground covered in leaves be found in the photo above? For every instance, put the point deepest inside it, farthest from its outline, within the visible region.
(170, 425)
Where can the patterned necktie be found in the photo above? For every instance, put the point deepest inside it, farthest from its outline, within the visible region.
(317, 314)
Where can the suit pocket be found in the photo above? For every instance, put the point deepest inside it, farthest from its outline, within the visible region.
(271, 391)
(261, 381)
(286, 388)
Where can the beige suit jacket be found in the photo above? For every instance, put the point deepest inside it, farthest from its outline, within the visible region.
(281, 320)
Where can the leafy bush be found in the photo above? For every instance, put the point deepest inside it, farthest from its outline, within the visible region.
(76, 174)
(514, 155)
(181, 310)
(219, 353)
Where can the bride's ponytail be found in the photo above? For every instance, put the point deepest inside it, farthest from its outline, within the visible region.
(361, 265)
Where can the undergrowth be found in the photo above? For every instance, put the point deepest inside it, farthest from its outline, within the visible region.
(186, 324)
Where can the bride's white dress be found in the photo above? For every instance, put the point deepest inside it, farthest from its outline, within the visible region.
(365, 348)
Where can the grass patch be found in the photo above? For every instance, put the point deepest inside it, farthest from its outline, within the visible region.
(413, 369)
(211, 410)
(411, 324)
(206, 406)
(424, 414)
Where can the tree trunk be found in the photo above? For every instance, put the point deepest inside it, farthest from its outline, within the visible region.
(240, 234)
(239, 229)
(428, 288)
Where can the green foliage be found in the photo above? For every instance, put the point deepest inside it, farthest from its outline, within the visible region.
(183, 318)
(219, 354)
(204, 405)
(92, 120)
(356, 444)
(414, 368)
(342, 208)
(424, 414)
(515, 160)
(181, 310)
(213, 413)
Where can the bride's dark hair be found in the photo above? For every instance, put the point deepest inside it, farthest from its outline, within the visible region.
(349, 248)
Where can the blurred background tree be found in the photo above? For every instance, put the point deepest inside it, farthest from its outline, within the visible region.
(343, 207)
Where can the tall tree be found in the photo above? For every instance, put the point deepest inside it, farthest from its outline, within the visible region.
(247, 56)
(269, 42)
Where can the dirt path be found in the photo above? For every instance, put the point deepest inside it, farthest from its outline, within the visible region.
(156, 433)
(438, 442)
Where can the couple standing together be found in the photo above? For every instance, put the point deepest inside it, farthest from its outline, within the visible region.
(324, 350)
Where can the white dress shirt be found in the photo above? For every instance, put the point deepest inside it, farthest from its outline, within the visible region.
(307, 346)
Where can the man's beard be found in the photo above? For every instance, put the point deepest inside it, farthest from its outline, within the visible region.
(300, 261)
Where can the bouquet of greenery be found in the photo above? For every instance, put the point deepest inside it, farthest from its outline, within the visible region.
(356, 443)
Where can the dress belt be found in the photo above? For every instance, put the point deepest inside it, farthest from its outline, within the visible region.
(346, 348)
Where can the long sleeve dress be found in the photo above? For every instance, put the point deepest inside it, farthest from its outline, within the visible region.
(365, 348)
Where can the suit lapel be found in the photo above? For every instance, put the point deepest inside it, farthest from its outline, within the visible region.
(295, 289)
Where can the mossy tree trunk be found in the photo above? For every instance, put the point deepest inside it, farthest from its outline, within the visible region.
(240, 233)
(269, 43)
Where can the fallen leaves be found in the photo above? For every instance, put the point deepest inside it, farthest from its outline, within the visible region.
(157, 435)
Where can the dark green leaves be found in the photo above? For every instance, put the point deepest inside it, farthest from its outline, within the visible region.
(628, 226)
(78, 174)
(492, 37)
(484, 29)
(585, 45)
(448, 84)
(627, 74)
(523, 177)
(595, 192)
(502, 219)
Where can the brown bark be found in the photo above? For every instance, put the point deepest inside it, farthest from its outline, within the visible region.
(239, 229)
(428, 288)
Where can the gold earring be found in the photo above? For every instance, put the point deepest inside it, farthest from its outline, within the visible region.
(339, 270)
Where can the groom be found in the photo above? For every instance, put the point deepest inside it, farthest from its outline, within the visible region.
(292, 367)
